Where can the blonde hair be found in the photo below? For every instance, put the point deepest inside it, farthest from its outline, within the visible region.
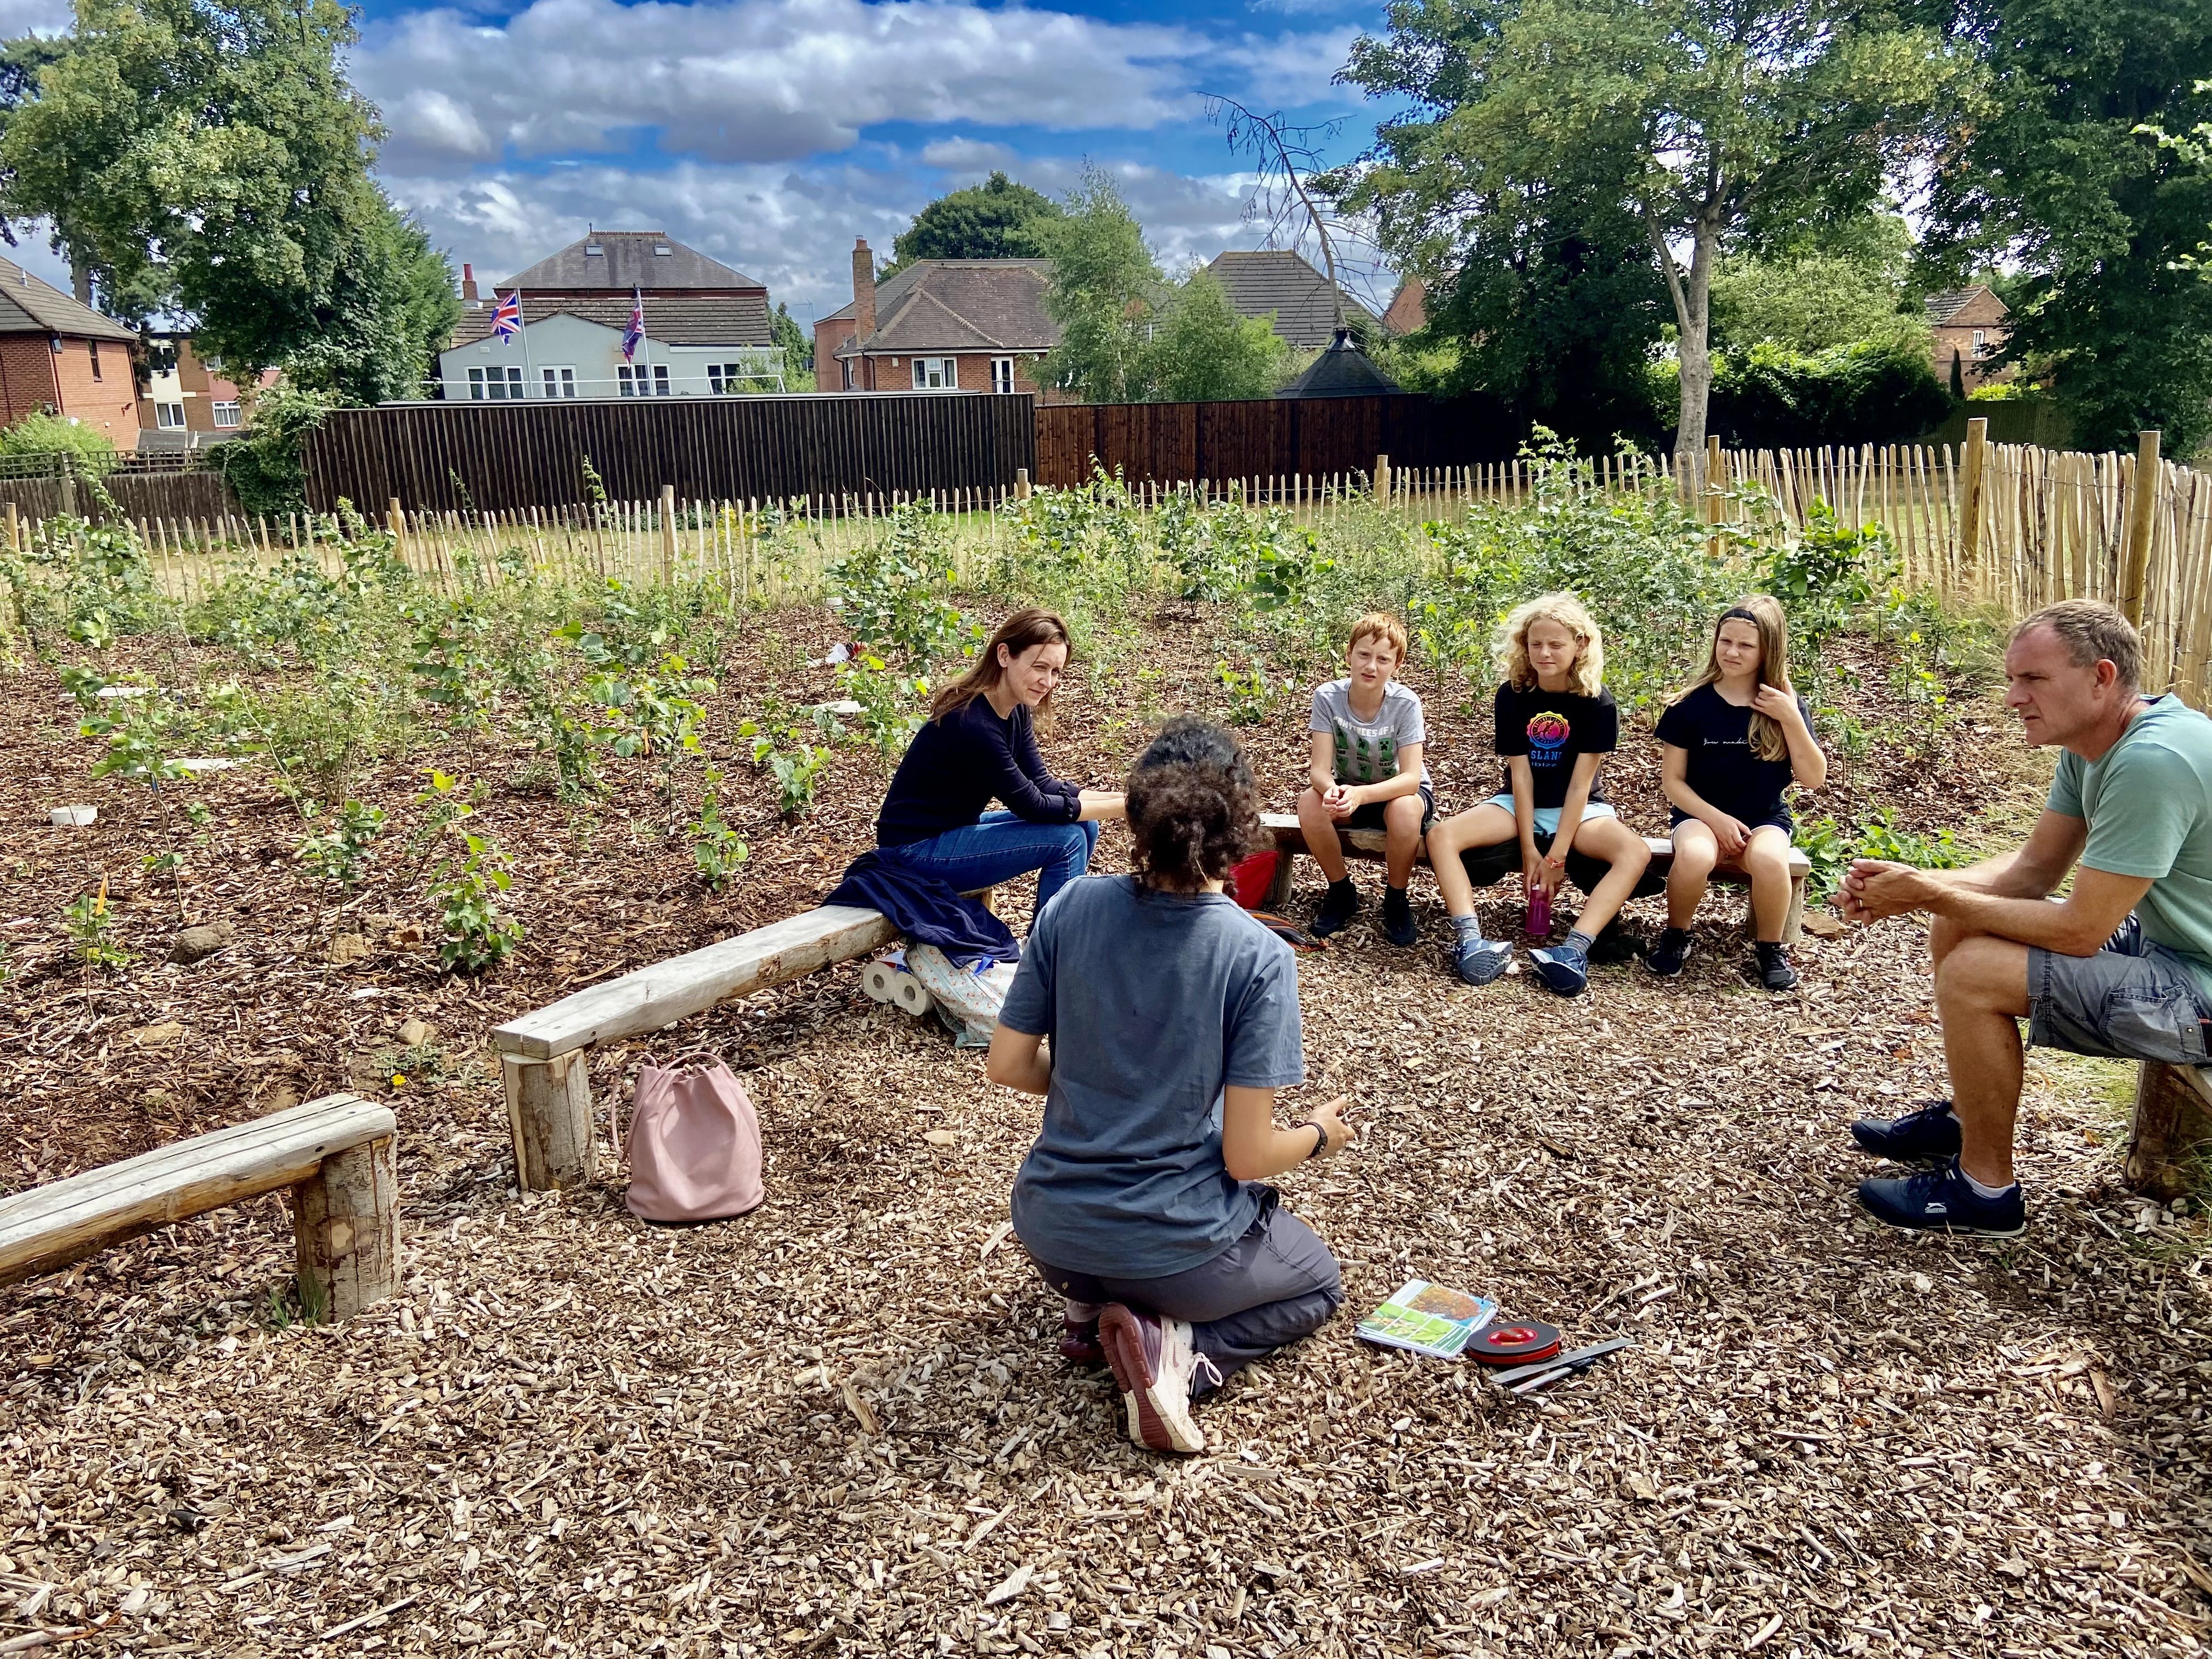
(1511, 648)
(1763, 612)
(1378, 624)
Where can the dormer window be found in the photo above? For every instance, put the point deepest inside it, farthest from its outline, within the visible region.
(662, 250)
(594, 251)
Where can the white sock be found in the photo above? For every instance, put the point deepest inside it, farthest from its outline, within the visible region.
(1981, 1191)
(1081, 1313)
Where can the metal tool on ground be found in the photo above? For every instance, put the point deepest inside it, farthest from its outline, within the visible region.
(1529, 1379)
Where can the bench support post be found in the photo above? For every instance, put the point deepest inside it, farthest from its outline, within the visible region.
(1279, 889)
(2170, 1133)
(345, 1220)
(549, 1109)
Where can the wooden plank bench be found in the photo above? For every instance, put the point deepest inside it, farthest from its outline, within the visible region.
(1368, 844)
(543, 1054)
(337, 1154)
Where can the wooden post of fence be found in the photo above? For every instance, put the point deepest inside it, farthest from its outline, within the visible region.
(1971, 466)
(1713, 500)
(15, 529)
(668, 534)
(1021, 484)
(2142, 505)
(1383, 481)
(397, 520)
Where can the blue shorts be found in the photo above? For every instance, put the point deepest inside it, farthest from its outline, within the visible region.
(2132, 1000)
(1778, 818)
(1547, 817)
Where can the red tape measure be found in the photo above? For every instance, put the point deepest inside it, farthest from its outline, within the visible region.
(1513, 1345)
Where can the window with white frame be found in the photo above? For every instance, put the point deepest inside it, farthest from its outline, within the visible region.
(660, 379)
(631, 381)
(848, 366)
(170, 417)
(935, 375)
(559, 381)
(1981, 342)
(226, 414)
(496, 383)
(1002, 373)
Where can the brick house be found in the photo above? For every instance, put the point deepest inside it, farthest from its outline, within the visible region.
(1279, 283)
(185, 401)
(706, 328)
(1409, 308)
(939, 325)
(61, 356)
(1972, 324)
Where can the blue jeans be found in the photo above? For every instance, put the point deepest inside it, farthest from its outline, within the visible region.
(999, 846)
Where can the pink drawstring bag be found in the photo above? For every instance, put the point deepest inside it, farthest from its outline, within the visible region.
(695, 1146)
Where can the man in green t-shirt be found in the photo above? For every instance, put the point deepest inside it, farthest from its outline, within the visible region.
(2121, 967)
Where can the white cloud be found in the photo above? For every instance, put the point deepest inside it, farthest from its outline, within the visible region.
(752, 81)
(969, 155)
(21, 17)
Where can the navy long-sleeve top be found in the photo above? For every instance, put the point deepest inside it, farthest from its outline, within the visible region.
(956, 766)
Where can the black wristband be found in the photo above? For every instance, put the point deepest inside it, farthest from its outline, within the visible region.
(1321, 1145)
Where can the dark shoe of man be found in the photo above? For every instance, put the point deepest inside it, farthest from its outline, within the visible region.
(1613, 944)
(1929, 1135)
(1669, 952)
(1775, 972)
(1398, 918)
(1338, 906)
(1943, 1201)
(1154, 1367)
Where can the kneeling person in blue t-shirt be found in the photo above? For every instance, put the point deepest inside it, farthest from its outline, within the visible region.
(2123, 967)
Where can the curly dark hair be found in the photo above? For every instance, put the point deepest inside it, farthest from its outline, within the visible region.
(1194, 806)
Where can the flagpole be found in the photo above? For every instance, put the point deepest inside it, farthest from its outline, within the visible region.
(522, 327)
(644, 339)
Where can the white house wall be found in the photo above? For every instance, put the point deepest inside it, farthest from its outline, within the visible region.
(594, 352)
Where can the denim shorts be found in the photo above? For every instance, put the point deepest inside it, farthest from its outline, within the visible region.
(1547, 817)
(2132, 1000)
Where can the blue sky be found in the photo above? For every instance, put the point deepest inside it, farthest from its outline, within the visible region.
(770, 133)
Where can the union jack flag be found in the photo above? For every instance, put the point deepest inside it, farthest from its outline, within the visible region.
(506, 319)
(635, 332)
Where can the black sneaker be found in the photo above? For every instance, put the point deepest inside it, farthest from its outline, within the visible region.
(1338, 906)
(1775, 972)
(1397, 917)
(1918, 1137)
(1940, 1201)
(1669, 952)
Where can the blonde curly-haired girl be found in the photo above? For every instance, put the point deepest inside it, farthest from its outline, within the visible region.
(1556, 723)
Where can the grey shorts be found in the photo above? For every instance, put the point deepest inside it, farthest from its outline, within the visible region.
(2132, 1000)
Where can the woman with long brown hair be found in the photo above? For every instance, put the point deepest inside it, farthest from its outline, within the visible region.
(979, 744)
(1730, 743)
(1174, 1019)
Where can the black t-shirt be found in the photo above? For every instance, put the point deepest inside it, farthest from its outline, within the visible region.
(1552, 728)
(1723, 768)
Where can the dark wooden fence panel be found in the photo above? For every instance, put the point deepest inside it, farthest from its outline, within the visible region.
(175, 496)
(497, 457)
(1175, 443)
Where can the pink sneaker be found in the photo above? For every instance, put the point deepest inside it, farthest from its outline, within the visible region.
(1153, 1365)
(1078, 1342)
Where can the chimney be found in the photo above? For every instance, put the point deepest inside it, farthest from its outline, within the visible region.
(469, 283)
(864, 290)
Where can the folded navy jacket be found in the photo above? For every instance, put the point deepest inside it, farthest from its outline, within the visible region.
(927, 909)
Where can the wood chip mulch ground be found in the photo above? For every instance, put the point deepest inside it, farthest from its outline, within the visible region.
(839, 1425)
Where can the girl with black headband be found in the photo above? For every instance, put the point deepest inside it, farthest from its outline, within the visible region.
(1731, 742)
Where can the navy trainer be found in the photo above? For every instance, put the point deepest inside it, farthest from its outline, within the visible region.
(1940, 1201)
(1921, 1137)
(1562, 967)
(1478, 960)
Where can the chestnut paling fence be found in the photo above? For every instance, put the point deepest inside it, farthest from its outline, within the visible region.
(2010, 526)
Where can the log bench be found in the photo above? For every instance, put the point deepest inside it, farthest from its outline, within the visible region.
(2170, 1132)
(544, 1055)
(1489, 865)
(337, 1154)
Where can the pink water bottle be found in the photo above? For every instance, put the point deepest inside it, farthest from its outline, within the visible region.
(1540, 912)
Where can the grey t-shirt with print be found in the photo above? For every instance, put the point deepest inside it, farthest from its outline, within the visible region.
(1367, 751)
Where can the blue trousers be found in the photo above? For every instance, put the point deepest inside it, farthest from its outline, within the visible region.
(999, 846)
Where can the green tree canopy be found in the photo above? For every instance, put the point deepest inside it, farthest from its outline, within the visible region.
(1198, 349)
(2056, 175)
(989, 221)
(1842, 286)
(208, 160)
(1709, 121)
(1104, 284)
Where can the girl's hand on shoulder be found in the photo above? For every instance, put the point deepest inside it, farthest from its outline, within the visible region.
(1777, 702)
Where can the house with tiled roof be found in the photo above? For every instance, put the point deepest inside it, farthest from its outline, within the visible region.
(1969, 323)
(938, 325)
(1278, 284)
(1408, 310)
(706, 326)
(60, 356)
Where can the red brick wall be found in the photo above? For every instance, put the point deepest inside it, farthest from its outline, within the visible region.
(27, 377)
(828, 373)
(109, 403)
(972, 370)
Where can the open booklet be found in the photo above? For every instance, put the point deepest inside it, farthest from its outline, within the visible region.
(1430, 1319)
